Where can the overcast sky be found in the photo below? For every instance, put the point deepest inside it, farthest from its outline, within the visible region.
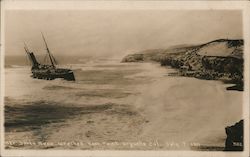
(114, 32)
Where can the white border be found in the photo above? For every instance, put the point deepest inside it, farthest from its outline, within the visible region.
(132, 5)
(2, 81)
(122, 5)
(246, 96)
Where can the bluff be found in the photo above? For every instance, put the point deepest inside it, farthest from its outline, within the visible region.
(220, 59)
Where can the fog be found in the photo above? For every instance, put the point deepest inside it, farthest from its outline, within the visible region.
(115, 32)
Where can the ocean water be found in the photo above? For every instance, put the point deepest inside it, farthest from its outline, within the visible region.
(114, 105)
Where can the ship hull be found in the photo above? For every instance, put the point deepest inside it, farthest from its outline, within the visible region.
(69, 76)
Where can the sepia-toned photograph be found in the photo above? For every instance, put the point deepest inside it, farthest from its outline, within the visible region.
(124, 79)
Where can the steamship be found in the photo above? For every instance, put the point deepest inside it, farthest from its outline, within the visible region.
(47, 71)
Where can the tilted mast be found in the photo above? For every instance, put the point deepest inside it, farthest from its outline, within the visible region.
(31, 56)
(26, 48)
(27, 51)
(50, 57)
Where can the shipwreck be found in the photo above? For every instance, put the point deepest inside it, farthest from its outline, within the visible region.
(48, 71)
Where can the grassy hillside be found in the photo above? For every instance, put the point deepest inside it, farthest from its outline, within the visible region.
(216, 60)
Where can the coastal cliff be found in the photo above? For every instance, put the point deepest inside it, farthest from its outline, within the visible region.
(235, 140)
(220, 59)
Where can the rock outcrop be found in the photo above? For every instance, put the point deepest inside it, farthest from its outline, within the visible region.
(234, 141)
(133, 58)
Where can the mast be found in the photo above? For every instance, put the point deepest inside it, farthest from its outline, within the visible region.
(27, 52)
(31, 56)
(26, 48)
(50, 57)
